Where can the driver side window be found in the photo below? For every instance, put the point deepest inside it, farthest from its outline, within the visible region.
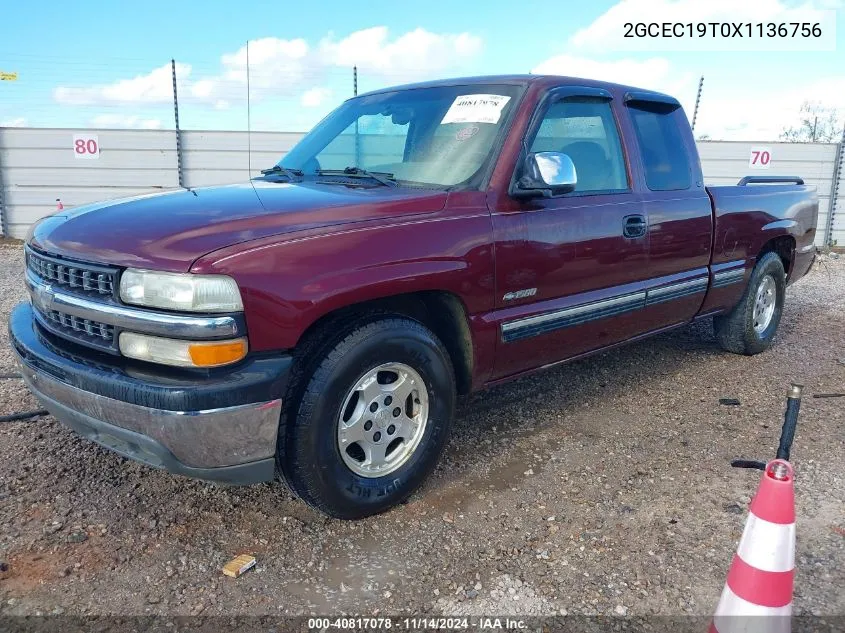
(585, 130)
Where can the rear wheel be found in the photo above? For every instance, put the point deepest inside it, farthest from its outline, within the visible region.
(372, 419)
(751, 326)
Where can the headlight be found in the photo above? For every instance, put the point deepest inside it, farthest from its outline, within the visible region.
(173, 291)
(169, 351)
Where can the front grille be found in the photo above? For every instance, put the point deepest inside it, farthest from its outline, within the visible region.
(73, 325)
(86, 332)
(76, 277)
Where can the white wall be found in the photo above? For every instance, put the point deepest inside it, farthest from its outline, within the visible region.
(38, 165)
(223, 158)
(725, 162)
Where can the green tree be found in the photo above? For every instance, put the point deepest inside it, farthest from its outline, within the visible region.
(818, 124)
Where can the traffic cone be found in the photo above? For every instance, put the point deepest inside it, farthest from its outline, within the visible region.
(59, 205)
(758, 592)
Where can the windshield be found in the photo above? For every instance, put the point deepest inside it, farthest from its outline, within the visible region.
(440, 136)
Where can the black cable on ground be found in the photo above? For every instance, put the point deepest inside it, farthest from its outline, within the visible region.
(24, 415)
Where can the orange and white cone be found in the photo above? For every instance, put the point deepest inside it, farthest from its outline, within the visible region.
(758, 593)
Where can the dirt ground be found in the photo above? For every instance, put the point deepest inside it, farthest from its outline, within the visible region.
(600, 487)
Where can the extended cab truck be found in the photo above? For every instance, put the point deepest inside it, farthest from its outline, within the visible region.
(422, 242)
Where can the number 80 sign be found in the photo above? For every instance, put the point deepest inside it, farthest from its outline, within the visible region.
(86, 146)
(761, 158)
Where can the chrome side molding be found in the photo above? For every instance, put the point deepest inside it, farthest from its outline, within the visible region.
(567, 317)
(576, 315)
(728, 277)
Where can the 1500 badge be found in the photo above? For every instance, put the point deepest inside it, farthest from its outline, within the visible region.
(520, 294)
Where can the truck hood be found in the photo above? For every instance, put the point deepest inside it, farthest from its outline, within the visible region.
(168, 231)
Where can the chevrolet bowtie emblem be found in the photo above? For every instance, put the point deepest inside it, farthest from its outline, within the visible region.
(43, 298)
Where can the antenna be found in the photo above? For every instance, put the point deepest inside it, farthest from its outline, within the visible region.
(248, 117)
(357, 138)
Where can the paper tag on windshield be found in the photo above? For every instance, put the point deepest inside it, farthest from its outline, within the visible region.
(476, 109)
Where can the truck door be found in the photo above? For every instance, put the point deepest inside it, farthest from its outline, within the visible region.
(569, 268)
(678, 207)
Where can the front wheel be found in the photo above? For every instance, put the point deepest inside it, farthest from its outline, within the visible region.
(372, 420)
(751, 326)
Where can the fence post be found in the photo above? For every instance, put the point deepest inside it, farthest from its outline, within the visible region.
(178, 132)
(3, 230)
(834, 189)
(697, 101)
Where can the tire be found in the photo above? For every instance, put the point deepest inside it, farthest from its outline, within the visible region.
(310, 455)
(736, 331)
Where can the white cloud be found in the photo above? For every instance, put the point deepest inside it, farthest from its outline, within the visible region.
(607, 32)
(725, 112)
(762, 114)
(654, 73)
(418, 53)
(280, 67)
(315, 97)
(275, 66)
(121, 121)
(16, 122)
(152, 88)
(648, 72)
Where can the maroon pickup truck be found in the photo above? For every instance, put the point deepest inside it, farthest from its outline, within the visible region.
(318, 322)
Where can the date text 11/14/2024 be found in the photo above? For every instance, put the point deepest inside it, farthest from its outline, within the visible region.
(416, 623)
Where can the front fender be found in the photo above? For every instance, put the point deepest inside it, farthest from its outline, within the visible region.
(288, 285)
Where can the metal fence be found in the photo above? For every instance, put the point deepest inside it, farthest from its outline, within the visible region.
(39, 166)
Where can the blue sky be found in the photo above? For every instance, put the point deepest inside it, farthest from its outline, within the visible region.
(107, 64)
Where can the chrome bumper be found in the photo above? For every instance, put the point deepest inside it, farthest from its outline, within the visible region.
(235, 444)
(200, 439)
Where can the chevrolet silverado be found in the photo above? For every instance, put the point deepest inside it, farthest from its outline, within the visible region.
(317, 323)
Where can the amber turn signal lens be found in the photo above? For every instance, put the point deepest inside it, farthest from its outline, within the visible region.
(168, 351)
(216, 354)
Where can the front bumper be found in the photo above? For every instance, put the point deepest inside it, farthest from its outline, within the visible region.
(216, 425)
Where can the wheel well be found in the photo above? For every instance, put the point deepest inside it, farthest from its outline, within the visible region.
(441, 312)
(784, 246)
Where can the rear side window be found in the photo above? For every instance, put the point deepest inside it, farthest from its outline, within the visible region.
(585, 130)
(664, 155)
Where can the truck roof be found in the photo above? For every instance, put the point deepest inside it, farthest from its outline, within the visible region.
(544, 80)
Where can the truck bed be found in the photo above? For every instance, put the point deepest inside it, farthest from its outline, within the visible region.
(749, 217)
(746, 216)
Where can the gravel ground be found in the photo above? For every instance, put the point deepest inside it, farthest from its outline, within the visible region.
(600, 487)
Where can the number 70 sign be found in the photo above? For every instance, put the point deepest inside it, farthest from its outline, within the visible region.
(761, 158)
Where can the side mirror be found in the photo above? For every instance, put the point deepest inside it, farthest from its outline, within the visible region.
(546, 174)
